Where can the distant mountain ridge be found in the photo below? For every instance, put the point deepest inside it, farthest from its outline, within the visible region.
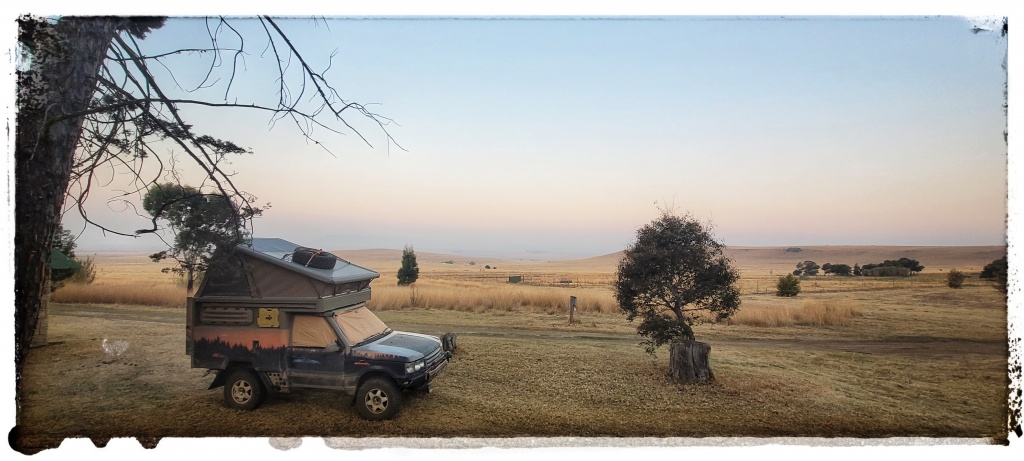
(774, 260)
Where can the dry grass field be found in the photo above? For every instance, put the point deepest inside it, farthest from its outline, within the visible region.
(869, 358)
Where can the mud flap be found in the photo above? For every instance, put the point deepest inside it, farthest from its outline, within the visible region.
(218, 381)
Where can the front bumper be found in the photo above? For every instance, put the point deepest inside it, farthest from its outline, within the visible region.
(436, 365)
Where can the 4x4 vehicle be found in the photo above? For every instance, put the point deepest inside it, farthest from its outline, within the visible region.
(272, 324)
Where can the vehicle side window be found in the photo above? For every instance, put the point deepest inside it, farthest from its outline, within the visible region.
(311, 331)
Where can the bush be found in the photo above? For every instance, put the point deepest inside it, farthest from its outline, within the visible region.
(87, 273)
(996, 271)
(955, 279)
(789, 285)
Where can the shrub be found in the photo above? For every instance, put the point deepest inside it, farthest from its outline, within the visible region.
(955, 278)
(789, 285)
(87, 273)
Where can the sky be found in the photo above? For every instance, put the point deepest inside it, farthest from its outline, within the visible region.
(553, 138)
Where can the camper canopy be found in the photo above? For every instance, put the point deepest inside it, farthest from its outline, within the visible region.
(264, 269)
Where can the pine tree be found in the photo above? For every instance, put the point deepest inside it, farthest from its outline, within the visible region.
(410, 271)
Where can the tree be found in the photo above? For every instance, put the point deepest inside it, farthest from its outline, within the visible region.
(203, 226)
(90, 100)
(836, 269)
(955, 278)
(671, 276)
(873, 270)
(912, 264)
(857, 269)
(789, 286)
(996, 271)
(64, 242)
(902, 267)
(806, 268)
(410, 271)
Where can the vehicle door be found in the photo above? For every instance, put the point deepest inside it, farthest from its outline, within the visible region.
(313, 357)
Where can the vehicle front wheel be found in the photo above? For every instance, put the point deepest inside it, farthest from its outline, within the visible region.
(243, 390)
(378, 399)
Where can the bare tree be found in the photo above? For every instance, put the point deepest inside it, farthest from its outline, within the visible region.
(90, 106)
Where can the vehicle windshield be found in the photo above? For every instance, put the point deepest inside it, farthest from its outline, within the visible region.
(359, 324)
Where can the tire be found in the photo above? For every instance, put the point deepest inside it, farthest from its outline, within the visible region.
(317, 259)
(378, 399)
(243, 390)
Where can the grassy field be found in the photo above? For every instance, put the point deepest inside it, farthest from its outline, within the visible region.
(912, 358)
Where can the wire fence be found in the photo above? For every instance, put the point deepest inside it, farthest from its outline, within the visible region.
(748, 284)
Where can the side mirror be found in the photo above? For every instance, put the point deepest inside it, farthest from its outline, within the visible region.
(332, 347)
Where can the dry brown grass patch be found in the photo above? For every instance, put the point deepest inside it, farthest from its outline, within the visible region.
(813, 312)
(489, 297)
(166, 294)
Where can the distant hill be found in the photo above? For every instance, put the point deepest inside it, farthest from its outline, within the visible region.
(750, 260)
(384, 260)
(934, 259)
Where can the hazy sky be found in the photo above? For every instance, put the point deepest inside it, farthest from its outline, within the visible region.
(560, 137)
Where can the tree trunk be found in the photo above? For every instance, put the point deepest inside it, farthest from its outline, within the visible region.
(689, 362)
(61, 79)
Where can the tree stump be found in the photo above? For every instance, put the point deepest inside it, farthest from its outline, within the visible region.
(688, 362)
(448, 342)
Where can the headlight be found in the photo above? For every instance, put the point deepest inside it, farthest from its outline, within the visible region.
(414, 367)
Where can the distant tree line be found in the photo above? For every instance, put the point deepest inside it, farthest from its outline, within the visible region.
(996, 272)
(889, 268)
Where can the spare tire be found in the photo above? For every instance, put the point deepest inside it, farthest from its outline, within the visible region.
(317, 259)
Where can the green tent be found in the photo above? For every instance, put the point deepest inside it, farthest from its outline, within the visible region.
(60, 262)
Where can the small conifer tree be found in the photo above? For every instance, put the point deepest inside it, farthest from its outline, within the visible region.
(410, 271)
(788, 286)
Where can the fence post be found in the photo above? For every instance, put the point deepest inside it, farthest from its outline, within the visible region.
(572, 309)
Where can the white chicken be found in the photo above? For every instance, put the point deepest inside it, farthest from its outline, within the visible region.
(114, 348)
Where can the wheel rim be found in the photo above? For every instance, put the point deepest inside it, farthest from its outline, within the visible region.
(241, 391)
(376, 401)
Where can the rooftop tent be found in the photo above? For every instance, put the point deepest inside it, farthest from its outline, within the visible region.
(264, 268)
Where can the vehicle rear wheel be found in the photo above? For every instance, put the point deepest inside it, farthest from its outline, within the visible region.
(378, 399)
(243, 390)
